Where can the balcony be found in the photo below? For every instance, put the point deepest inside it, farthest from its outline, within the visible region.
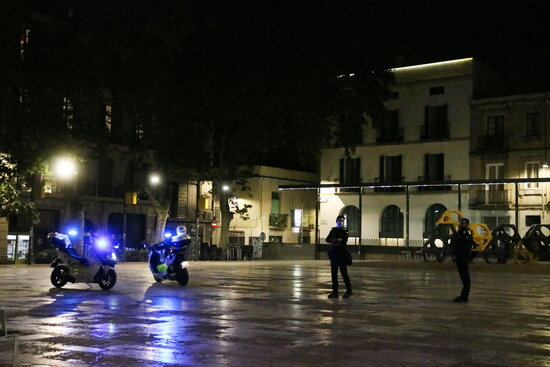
(389, 135)
(434, 131)
(278, 220)
(494, 199)
(493, 144)
(432, 179)
(389, 180)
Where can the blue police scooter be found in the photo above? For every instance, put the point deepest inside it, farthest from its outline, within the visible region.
(167, 259)
(69, 266)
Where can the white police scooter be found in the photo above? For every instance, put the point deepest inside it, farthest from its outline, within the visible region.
(167, 259)
(69, 266)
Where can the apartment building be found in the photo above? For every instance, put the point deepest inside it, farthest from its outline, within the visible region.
(509, 140)
(424, 139)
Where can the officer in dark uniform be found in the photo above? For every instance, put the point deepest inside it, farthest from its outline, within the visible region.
(462, 243)
(337, 253)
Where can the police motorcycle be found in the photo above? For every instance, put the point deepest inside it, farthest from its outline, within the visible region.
(167, 259)
(98, 267)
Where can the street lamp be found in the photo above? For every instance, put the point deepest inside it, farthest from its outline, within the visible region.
(225, 188)
(154, 179)
(65, 168)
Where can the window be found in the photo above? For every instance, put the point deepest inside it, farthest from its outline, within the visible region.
(68, 116)
(108, 118)
(390, 169)
(275, 239)
(390, 131)
(138, 131)
(532, 124)
(495, 125)
(275, 203)
(494, 171)
(435, 123)
(296, 216)
(391, 222)
(434, 166)
(532, 171)
(24, 41)
(437, 90)
(495, 194)
(352, 216)
(433, 214)
(495, 221)
(532, 219)
(350, 171)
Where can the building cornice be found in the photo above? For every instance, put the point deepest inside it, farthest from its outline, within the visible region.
(487, 102)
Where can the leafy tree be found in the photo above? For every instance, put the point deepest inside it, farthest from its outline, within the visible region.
(11, 187)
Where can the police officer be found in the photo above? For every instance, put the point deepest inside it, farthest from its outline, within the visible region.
(462, 242)
(337, 253)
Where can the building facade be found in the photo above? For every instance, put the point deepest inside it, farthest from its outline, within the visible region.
(425, 138)
(509, 139)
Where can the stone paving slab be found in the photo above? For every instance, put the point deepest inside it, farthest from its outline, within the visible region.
(277, 314)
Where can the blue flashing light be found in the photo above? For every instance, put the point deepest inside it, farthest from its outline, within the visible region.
(167, 235)
(102, 243)
(72, 232)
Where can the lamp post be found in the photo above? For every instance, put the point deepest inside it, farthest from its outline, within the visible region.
(154, 180)
(65, 170)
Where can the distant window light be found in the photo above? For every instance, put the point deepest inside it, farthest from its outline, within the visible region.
(68, 115)
(24, 42)
(139, 131)
(437, 90)
(108, 118)
(345, 75)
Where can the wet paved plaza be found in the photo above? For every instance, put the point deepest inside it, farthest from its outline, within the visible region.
(277, 314)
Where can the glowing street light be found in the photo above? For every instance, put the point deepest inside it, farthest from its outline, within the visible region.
(65, 168)
(225, 188)
(154, 179)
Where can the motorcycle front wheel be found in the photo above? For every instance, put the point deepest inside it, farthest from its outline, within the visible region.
(59, 276)
(182, 277)
(108, 280)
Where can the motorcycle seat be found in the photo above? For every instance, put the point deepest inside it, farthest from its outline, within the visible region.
(72, 253)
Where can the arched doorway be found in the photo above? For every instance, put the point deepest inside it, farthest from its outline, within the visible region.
(432, 216)
(391, 222)
(352, 215)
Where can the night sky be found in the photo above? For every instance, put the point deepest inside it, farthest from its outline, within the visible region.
(401, 31)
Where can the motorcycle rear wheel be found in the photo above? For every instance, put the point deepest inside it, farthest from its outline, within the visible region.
(108, 280)
(59, 276)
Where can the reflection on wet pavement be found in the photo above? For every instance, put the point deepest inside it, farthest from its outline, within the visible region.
(277, 314)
